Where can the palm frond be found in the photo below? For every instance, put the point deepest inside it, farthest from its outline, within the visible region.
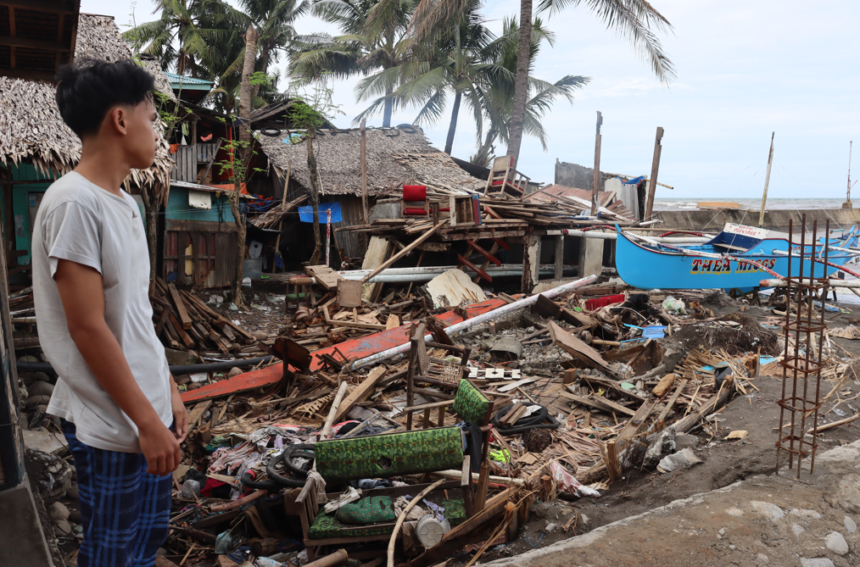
(632, 19)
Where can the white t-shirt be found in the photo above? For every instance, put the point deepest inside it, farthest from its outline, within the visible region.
(83, 223)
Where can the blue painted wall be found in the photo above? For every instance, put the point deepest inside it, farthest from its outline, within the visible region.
(178, 209)
(21, 203)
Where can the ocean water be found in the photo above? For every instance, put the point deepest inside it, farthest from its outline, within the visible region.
(675, 204)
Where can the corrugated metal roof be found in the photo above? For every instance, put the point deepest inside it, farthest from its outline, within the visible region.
(189, 83)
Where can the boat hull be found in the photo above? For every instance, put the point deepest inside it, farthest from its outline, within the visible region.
(646, 268)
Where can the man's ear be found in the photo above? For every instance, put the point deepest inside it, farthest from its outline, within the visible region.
(118, 119)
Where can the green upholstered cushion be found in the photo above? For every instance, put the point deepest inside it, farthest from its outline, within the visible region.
(327, 527)
(470, 404)
(384, 456)
(370, 510)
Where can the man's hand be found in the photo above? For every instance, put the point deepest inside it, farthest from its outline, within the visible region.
(180, 415)
(161, 449)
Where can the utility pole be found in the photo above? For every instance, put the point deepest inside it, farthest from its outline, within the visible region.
(595, 187)
(847, 204)
(766, 182)
(655, 169)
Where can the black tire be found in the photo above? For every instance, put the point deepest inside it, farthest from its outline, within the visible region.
(285, 458)
(270, 132)
(269, 485)
(299, 450)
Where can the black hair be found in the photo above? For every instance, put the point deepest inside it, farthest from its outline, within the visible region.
(88, 89)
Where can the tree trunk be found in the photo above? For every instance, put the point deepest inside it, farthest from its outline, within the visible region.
(452, 128)
(150, 206)
(521, 87)
(264, 65)
(243, 155)
(315, 198)
(389, 106)
(245, 96)
(239, 274)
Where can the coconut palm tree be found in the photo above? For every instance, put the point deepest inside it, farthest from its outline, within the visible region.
(498, 96)
(455, 60)
(374, 42)
(635, 20)
(184, 35)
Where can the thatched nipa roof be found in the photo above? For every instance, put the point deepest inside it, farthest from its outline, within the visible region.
(31, 128)
(394, 156)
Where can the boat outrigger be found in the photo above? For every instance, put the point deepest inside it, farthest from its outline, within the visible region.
(736, 258)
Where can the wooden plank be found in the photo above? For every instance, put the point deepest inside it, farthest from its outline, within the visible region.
(377, 251)
(405, 251)
(362, 392)
(463, 260)
(189, 342)
(681, 385)
(197, 412)
(180, 306)
(601, 404)
(610, 385)
(636, 422)
(392, 322)
(483, 253)
(325, 276)
(579, 349)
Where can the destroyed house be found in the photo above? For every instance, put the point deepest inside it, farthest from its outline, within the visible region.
(37, 147)
(395, 156)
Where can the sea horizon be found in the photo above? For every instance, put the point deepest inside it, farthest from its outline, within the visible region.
(690, 203)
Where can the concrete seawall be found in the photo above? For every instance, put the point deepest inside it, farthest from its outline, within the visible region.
(714, 220)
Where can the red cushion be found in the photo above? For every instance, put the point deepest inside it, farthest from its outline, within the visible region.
(414, 211)
(414, 192)
(445, 210)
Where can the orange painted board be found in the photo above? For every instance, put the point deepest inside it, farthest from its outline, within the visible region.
(354, 349)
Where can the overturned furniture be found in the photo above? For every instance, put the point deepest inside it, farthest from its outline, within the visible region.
(373, 517)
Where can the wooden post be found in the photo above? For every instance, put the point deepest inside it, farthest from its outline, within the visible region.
(531, 261)
(655, 168)
(559, 256)
(595, 188)
(281, 222)
(766, 182)
(364, 173)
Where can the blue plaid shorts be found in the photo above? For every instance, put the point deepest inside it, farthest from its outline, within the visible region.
(124, 510)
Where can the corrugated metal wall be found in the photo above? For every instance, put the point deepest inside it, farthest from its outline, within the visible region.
(185, 164)
(351, 243)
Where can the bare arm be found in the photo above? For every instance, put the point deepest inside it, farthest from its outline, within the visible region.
(82, 293)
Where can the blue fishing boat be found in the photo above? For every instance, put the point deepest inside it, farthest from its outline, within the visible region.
(739, 257)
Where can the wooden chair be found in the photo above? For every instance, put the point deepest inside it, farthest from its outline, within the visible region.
(505, 179)
(413, 196)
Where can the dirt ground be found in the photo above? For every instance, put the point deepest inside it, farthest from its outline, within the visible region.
(724, 461)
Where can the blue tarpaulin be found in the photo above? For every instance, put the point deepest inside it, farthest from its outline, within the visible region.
(634, 181)
(306, 214)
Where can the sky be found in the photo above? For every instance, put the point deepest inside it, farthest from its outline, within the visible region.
(744, 70)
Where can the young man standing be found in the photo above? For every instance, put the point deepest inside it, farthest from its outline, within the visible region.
(115, 396)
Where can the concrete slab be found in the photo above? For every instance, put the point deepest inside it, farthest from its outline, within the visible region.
(22, 543)
(45, 441)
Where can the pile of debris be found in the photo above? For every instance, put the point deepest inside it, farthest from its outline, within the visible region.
(396, 431)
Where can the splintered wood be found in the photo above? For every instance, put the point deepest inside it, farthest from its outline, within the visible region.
(184, 322)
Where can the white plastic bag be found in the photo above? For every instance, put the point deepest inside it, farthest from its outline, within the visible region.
(672, 305)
